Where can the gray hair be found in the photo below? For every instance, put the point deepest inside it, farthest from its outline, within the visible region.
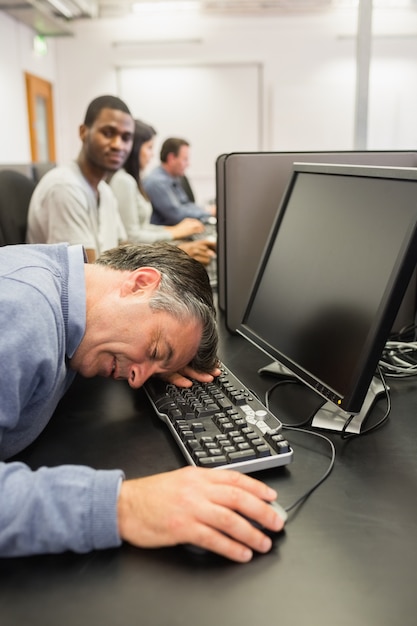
(184, 291)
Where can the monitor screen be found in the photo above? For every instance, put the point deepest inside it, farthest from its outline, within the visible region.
(332, 276)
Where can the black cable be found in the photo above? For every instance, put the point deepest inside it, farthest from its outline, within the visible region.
(326, 474)
(298, 428)
(404, 333)
(293, 381)
(344, 434)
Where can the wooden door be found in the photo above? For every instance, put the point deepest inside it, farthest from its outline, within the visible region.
(41, 118)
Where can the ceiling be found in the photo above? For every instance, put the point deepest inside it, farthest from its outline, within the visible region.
(54, 17)
(114, 8)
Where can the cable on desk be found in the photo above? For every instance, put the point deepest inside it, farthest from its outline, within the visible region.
(298, 428)
(399, 359)
(289, 381)
(326, 474)
(344, 434)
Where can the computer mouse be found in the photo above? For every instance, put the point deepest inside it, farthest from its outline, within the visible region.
(281, 512)
(196, 550)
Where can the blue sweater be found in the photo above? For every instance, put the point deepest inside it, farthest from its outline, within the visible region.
(42, 319)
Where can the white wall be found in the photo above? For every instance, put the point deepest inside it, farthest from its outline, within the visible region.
(191, 88)
(16, 58)
(308, 67)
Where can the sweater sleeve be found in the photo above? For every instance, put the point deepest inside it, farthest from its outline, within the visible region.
(52, 510)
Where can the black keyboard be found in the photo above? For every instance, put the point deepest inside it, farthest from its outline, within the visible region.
(220, 424)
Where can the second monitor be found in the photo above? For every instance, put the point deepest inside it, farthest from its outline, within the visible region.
(250, 189)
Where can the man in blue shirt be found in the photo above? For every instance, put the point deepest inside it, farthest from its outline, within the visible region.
(165, 190)
(136, 312)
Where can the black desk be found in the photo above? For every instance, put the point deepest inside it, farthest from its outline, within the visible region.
(348, 556)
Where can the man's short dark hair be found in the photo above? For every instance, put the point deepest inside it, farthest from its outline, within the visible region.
(103, 102)
(171, 145)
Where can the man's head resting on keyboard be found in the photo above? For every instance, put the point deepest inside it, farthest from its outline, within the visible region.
(163, 320)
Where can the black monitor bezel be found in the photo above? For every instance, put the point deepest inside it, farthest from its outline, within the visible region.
(396, 287)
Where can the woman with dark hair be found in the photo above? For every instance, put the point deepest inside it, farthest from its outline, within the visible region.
(135, 207)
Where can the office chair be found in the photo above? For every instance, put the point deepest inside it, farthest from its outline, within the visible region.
(185, 183)
(15, 192)
(39, 169)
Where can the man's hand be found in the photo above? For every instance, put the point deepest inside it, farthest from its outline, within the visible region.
(202, 250)
(183, 377)
(203, 507)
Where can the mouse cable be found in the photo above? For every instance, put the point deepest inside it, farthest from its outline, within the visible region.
(298, 428)
(326, 474)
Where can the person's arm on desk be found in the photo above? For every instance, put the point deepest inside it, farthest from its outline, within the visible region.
(52, 510)
(185, 228)
(202, 250)
(198, 506)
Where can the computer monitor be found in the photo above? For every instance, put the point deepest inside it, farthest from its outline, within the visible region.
(335, 268)
(252, 185)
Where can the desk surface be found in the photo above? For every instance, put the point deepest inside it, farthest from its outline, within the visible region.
(348, 555)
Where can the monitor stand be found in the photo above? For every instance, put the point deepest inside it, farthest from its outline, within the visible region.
(329, 416)
(276, 369)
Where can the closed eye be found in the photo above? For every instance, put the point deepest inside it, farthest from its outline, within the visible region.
(161, 356)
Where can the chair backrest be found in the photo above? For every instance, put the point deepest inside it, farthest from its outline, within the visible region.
(185, 183)
(39, 169)
(15, 193)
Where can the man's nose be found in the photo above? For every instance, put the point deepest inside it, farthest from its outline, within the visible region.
(139, 374)
(117, 142)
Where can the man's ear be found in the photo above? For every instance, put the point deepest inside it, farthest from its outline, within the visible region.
(170, 158)
(141, 280)
(82, 131)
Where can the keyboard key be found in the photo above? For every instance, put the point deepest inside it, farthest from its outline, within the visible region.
(263, 450)
(242, 455)
(213, 461)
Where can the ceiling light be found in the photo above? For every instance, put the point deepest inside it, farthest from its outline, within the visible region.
(163, 6)
(71, 9)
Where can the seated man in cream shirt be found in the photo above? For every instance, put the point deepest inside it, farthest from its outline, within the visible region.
(73, 203)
